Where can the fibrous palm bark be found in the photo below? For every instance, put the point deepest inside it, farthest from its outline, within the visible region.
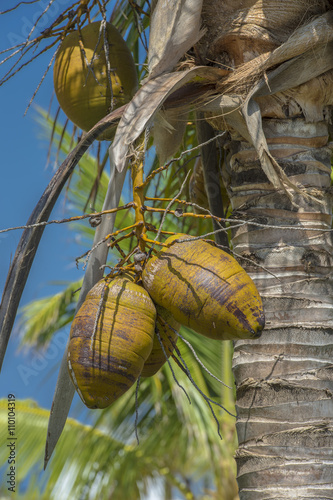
(285, 379)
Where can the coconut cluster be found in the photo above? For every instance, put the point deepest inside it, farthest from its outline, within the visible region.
(125, 329)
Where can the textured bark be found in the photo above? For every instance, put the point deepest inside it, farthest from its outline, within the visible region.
(239, 30)
(285, 379)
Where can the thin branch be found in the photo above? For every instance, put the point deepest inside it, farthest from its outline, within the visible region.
(166, 211)
(170, 366)
(41, 81)
(70, 219)
(180, 157)
(206, 398)
(38, 19)
(198, 359)
(107, 237)
(106, 51)
(17, 5)
(10, 75)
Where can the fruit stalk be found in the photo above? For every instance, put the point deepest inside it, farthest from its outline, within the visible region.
(138, 198)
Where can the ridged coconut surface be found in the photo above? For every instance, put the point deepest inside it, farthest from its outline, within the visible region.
(84, 94)
(105, 360)
(206, 289)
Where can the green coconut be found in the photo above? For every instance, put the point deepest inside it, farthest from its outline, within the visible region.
(83, 92)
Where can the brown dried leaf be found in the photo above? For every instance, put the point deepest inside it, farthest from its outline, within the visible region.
(169, 129)
(174, 29)
(141, 111)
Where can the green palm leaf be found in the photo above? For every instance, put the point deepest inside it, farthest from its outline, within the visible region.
(98, 460)
(42, 318)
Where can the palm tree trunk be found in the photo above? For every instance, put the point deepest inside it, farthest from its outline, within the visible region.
(285, 379)
(283, 237)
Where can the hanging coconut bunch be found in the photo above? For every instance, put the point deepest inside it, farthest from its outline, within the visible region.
(111, 338)
(124, 330)
(205, 289)
(91, 77)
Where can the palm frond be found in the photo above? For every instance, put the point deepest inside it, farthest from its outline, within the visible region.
(42, 318)
(91, 462)
(166, 418)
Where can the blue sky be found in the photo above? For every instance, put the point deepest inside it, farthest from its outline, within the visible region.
(24, 178)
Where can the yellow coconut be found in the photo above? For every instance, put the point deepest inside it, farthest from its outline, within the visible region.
(84, 94)
(205, 289)
(167, 328)
(111, 337)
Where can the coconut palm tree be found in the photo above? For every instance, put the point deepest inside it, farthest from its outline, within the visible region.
(179, 450)
(261, 72)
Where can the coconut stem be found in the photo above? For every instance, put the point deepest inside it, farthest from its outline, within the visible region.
(138, 198)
